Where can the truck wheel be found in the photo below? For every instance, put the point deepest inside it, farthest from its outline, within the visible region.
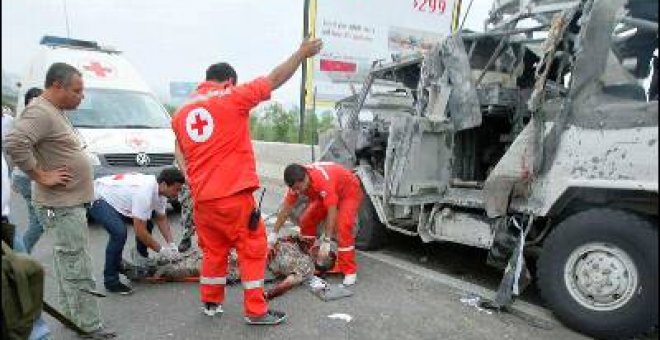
(371, 234)
(599, 273)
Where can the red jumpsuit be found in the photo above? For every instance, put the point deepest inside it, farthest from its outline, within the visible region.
(332, 185)
(212, 131)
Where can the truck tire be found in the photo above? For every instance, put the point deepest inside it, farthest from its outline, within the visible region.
(598, 272)
(371, 234)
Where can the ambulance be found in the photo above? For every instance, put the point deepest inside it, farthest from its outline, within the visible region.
(121, 123)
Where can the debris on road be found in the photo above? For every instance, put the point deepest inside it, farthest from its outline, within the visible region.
(328, 292)
(475, 301)
(341, 316)
(317, 283)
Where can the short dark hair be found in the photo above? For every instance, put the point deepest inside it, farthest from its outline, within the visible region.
(221, 72)
(32, 93)
(61, 72)
(294, 173)
(170, 176)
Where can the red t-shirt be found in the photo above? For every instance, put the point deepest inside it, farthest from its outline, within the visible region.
(213, 133)
(328, 182)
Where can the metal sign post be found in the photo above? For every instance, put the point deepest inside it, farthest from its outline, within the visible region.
(304, 73)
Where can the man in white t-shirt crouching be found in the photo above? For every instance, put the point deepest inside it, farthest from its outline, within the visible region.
(136, 196)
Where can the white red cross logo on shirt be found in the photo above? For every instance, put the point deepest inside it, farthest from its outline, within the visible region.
(199, 125)
(98, 69)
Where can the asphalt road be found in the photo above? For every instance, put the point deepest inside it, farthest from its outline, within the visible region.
(462, 262)
(405, 291)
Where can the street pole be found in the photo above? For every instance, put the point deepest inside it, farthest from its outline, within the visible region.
(304, 73)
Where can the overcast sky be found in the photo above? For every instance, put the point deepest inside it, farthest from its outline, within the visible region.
(173, 40)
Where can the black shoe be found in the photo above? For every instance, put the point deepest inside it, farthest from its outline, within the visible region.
(185, 244)
(119, 288)
(272, 317)
(101, 333)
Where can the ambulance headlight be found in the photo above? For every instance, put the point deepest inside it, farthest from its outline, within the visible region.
(93, 158)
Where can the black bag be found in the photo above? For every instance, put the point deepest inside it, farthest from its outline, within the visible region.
(255, 215)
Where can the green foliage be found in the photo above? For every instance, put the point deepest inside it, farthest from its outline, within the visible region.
(9, 101)
(327, 121)
(282, 122)
(275, 124)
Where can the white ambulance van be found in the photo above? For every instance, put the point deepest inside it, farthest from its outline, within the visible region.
(121, 123)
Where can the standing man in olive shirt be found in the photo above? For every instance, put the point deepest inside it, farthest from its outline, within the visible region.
(46, 147)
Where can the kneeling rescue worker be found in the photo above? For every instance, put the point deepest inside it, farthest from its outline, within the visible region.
(213, 146)
(335, 195)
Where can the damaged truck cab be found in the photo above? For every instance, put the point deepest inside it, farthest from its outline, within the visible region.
(537, 136)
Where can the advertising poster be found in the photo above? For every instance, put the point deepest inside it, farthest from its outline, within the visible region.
(355, 33)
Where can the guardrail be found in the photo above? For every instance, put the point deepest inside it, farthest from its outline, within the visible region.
(273, 157)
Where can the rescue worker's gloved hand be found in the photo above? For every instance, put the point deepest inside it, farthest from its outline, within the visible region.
(169, 253)
(324, 248)
(272, 238)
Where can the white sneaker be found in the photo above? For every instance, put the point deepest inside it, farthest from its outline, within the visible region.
(212, 309)
(349, 279)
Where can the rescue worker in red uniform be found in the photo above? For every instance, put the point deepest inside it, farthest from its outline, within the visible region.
(213, 146)
(335, 196)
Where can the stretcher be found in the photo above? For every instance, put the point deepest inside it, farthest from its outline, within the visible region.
(161, 279)
(268, 278)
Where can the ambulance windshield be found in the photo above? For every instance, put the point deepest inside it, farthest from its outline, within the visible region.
(111, 109)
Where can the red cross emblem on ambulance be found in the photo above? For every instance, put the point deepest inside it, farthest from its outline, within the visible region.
(136, 141)
(98, 69)
(199, 125)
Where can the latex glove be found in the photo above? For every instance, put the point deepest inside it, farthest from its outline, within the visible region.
(324, 249)
(169, 253)
(272, 238)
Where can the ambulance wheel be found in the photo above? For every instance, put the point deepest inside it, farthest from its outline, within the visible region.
(598, 272)
(371, 234)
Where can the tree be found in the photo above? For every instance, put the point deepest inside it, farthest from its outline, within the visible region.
(9, 102)
(257, 128)
(327, 121)
(273, 123)
(310, 130)
(281, 122)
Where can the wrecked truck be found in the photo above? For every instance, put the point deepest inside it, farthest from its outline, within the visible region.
(538, 136)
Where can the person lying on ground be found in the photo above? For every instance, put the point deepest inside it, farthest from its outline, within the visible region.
(295, 259)
(291, 259)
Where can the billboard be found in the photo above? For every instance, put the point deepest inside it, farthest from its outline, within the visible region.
(355, 33)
